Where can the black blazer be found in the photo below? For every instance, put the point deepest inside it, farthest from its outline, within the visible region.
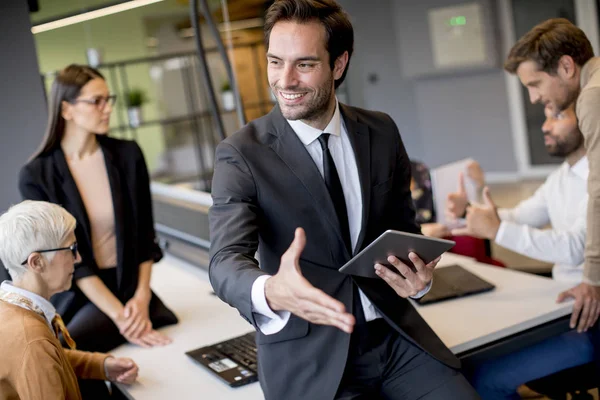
(48, 178)
(264, 186)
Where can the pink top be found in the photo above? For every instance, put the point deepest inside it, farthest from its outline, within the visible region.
(91, 178)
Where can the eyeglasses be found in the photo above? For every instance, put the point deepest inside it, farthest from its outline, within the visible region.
(72, 247)
(100, 102)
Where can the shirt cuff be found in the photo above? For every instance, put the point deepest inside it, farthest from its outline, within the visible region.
(105, 368)
(267, 320)
(591, 271)
(590, 282)
(501, 232)
(505, 214)
(510, 236)
(424, 291)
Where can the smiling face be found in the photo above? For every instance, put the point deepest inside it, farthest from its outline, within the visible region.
(299, 71)
(561, 133)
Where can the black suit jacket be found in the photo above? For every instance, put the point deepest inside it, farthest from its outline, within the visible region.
(265, 185)
(48, 178)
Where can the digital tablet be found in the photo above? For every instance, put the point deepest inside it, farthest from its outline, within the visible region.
(398, 244)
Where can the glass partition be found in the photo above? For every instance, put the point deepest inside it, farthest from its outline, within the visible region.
(148, 57)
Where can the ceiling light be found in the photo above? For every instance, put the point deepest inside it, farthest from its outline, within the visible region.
(102, 12)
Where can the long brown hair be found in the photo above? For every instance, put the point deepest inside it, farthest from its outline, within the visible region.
(66, 87)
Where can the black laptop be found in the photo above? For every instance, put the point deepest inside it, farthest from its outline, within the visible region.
(233, 361)
(454, 281)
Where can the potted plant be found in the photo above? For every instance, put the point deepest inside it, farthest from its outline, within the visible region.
(227, 96)
(135, 98)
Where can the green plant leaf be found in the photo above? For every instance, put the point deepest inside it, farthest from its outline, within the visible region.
(136, 97)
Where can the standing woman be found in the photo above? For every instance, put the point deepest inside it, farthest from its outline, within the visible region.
(104, 183)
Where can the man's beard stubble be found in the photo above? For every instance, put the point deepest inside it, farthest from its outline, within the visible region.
(312, 111)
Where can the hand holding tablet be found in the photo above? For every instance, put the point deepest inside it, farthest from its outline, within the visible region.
(404, 260)
(397, 244)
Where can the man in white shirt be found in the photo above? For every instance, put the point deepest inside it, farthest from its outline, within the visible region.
(562, 202)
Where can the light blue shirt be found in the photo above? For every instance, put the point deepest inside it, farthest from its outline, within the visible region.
(43, 304)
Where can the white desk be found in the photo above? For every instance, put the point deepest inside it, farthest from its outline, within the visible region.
(166, 372)
(520, 301)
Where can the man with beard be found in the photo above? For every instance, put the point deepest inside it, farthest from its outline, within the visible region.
(327, 179)
(562, 202)
(555, 62)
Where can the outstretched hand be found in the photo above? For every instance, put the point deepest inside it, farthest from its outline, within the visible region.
(289, 290)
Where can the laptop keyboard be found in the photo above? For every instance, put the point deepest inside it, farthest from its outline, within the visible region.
(241, 349)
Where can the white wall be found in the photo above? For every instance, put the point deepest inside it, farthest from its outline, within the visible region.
(442, 118)
(376, 55)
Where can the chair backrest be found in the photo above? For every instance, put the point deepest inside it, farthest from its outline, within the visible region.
(476, 248)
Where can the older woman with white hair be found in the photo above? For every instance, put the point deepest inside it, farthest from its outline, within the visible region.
(38, 248)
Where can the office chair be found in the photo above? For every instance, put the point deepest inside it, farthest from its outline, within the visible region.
(479, 249)
(576, 382)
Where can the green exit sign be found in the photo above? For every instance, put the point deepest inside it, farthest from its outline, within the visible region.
(458, 21)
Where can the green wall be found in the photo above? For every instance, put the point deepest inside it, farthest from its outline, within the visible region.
(121, 37)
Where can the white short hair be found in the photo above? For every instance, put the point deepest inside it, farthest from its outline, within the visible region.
(31, 226)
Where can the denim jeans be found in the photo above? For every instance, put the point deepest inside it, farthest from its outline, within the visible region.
(499, 378)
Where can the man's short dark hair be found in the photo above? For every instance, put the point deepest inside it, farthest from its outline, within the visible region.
(547, 42)
(338, 29)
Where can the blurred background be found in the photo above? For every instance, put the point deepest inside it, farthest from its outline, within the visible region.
(435, 66)
(147, 54)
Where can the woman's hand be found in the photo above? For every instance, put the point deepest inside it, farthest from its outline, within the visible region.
(135, 325)
(137, 318)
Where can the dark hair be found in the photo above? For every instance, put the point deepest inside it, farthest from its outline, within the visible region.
(66, 87)
(339, 31)
(547, 42)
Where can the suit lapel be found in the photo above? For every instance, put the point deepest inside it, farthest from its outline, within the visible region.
(294, 154)
(114, 179)
(359, 138)
(72, 195)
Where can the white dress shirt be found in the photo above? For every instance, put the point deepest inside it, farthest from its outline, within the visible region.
(562, 202)
(268, 321)
(40, 302)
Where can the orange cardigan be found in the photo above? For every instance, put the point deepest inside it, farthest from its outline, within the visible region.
(33, 365)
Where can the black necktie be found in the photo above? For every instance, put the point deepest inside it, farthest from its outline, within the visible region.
(334, 186)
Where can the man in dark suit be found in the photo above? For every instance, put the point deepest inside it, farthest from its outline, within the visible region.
(328, 179)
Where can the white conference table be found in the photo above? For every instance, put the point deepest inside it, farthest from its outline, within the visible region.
(520, 302)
